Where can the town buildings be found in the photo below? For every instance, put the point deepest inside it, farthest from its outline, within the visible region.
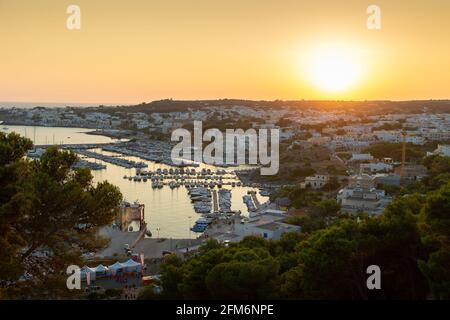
(361, 195)
(317, 181)
(268, 224)
(442, 150)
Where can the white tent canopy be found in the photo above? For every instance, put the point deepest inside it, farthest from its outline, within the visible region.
(116, 266)
(101, 268)
(132, 265)
(85, 270)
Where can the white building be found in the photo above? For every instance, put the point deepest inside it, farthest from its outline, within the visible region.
(437, 135)
(317, 181)
(390, 179)
(361, 196)
(443, 150)
(319, 141)
(396, 136)
(268, 225)
(376, 167)
(286, 133)
(361, 157)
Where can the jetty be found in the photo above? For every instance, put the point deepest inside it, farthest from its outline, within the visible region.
(255, 199)
(75, 146)
(111, 159)
(215, 202)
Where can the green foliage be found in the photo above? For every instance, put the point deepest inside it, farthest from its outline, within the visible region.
(148, 293)
(244, 271)
(49, 214)
(394, 150)
(320, 216)
(303, 171)
(332, 184)
(113, 293)
(438, 171)
(302, 197)
(391, 190)
(390, 126)
(12, 148)
(243, 280)
(328, 263)
(436, 269)
(436, 235)
(334, 259)
(298, 196)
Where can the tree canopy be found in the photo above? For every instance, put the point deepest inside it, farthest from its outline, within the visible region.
(409, 242)
(49, 216)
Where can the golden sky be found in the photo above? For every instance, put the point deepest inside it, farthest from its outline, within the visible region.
(141, 50)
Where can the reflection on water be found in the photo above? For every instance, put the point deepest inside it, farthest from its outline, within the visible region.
(56, 135)
(168, 210)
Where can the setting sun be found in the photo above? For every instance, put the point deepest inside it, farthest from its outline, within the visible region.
(334, 69)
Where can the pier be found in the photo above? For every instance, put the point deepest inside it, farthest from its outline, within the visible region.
(111, 159)
(215, 202)
(255, 199)
(74, 146)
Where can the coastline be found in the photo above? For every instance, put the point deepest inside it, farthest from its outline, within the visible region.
(110, 133)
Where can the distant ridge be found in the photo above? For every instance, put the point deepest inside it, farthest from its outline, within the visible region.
(170, 105)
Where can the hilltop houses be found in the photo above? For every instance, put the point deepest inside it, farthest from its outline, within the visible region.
(317, 181)
(361, 195)
(374, 167)
(361, 157)
(442, 150)
(268, 225)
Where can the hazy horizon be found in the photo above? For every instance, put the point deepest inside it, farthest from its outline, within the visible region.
(27, 104)
(289, 50)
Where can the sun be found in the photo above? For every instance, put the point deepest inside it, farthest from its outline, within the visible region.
(334, 69)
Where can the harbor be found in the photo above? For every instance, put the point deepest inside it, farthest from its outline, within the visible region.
(141, 172)
(110, 159)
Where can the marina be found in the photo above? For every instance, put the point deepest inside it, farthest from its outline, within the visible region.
(114, 160)
(156, 151)
(89, 165)
(165, 190)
